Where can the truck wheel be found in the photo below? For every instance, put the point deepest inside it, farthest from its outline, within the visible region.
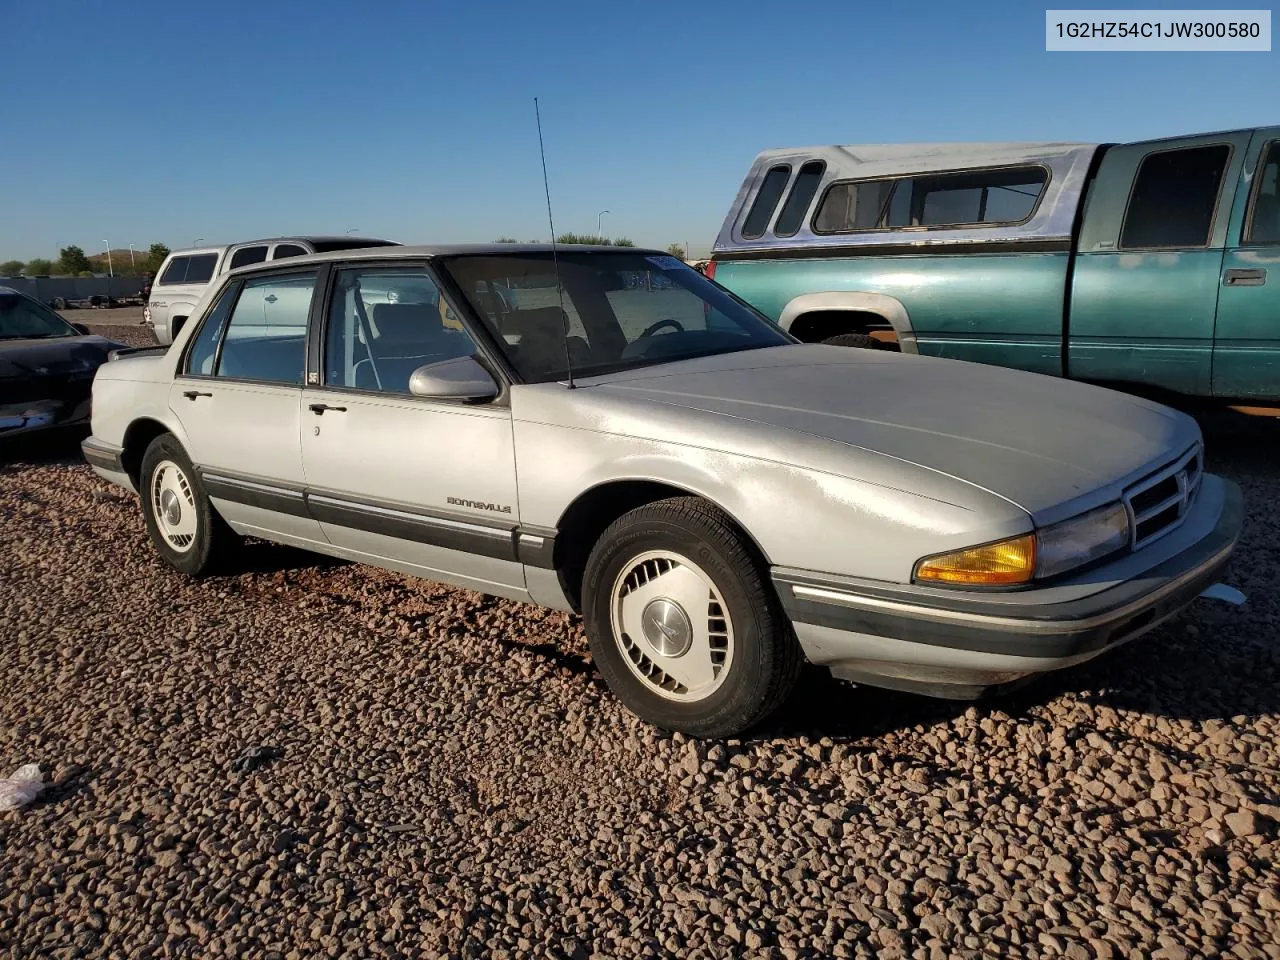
(186, 530)
(683, 624)
(863, 340)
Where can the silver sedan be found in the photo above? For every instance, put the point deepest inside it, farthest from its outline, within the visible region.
(608, 431)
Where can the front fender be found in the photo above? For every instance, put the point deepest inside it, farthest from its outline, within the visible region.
(798, 516)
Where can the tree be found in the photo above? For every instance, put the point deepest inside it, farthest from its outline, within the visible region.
(155, 257)
(10, 268)
(593, 238)
(39, 267)
(676, 250)
(71, 261)
(505, 240)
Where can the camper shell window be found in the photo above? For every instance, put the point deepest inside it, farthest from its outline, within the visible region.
(1002, 196)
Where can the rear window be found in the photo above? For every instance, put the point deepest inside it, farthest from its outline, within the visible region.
(932, 200)
(284, 250)
(775, 181)
(193, 269)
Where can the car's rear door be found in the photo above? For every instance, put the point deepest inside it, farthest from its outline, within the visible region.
(1246, 347)
(1145, 288)
(238, 394)
(421, 485)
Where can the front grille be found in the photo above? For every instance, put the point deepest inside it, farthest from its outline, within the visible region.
(1158, 503)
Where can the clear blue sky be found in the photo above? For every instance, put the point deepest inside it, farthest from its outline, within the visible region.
(145, 121)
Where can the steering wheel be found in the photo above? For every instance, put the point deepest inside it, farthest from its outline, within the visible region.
(664, 322)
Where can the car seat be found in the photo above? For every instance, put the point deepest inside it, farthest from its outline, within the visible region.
(543, 337)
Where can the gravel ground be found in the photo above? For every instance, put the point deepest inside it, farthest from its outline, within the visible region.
(442, 773)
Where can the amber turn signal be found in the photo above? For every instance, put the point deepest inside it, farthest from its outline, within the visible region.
(1004, 563)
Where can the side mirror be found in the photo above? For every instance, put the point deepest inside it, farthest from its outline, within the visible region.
(83, 329)
(458, 379)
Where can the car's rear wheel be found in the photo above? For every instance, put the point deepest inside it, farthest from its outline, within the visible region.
(182, 523)
(682, 622)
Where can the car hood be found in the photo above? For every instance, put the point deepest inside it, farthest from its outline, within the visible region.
(1040, 442)
(53, 357)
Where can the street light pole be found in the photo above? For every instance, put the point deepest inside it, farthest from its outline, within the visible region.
(110, 273)
(600, 221)
(133, 264)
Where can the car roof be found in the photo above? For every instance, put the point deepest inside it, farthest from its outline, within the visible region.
(421, 252)
(306, 238)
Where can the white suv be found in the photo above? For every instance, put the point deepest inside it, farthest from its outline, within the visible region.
(186, 274)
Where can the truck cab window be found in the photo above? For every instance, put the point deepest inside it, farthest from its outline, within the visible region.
(1174, 197)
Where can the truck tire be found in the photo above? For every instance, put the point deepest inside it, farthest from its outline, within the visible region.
(683, 623)
(864, 340)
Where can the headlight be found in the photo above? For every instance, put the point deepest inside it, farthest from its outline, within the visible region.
(1075, 542)
(1046, 553)
(1004, 563)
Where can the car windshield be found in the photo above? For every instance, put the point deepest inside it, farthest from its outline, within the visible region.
(21, 319)
(619, 311)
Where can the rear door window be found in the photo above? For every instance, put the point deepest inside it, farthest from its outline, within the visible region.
(1174, 197)
(247, 255)
(204, 346)
(775, 181)
(267, 332)
(284, 250)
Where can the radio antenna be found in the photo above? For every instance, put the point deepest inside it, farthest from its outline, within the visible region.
(555, 259)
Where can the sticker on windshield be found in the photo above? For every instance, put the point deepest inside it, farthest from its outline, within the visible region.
(666, 263)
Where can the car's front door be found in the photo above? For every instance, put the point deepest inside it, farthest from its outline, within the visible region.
(1246, 347)
(238, 396)
(425, 486)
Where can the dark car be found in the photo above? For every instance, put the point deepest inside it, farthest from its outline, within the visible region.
(46, 366)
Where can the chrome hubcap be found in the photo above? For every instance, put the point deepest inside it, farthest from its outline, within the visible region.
(672, 626)
(667, 628)
(174, 506)
(171, 506)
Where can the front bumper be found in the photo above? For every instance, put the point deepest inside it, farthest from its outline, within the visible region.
(959, 643)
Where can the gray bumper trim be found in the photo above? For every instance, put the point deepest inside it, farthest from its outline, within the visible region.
(1037, 630)
(104, 455)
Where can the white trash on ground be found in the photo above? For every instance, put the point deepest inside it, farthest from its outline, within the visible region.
(22, 787)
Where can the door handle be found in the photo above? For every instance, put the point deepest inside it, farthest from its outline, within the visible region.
(192, 394)
(319, 408)
(1238, 277)
(270, 298)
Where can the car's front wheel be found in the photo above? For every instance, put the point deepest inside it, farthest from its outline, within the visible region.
(182, 523)
(682, 622)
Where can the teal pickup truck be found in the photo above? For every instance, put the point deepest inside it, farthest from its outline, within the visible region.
(1152, 265)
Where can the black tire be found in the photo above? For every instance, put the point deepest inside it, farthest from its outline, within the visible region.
(212, 542)
(766, 657)
(59, 303)
(864, 340)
